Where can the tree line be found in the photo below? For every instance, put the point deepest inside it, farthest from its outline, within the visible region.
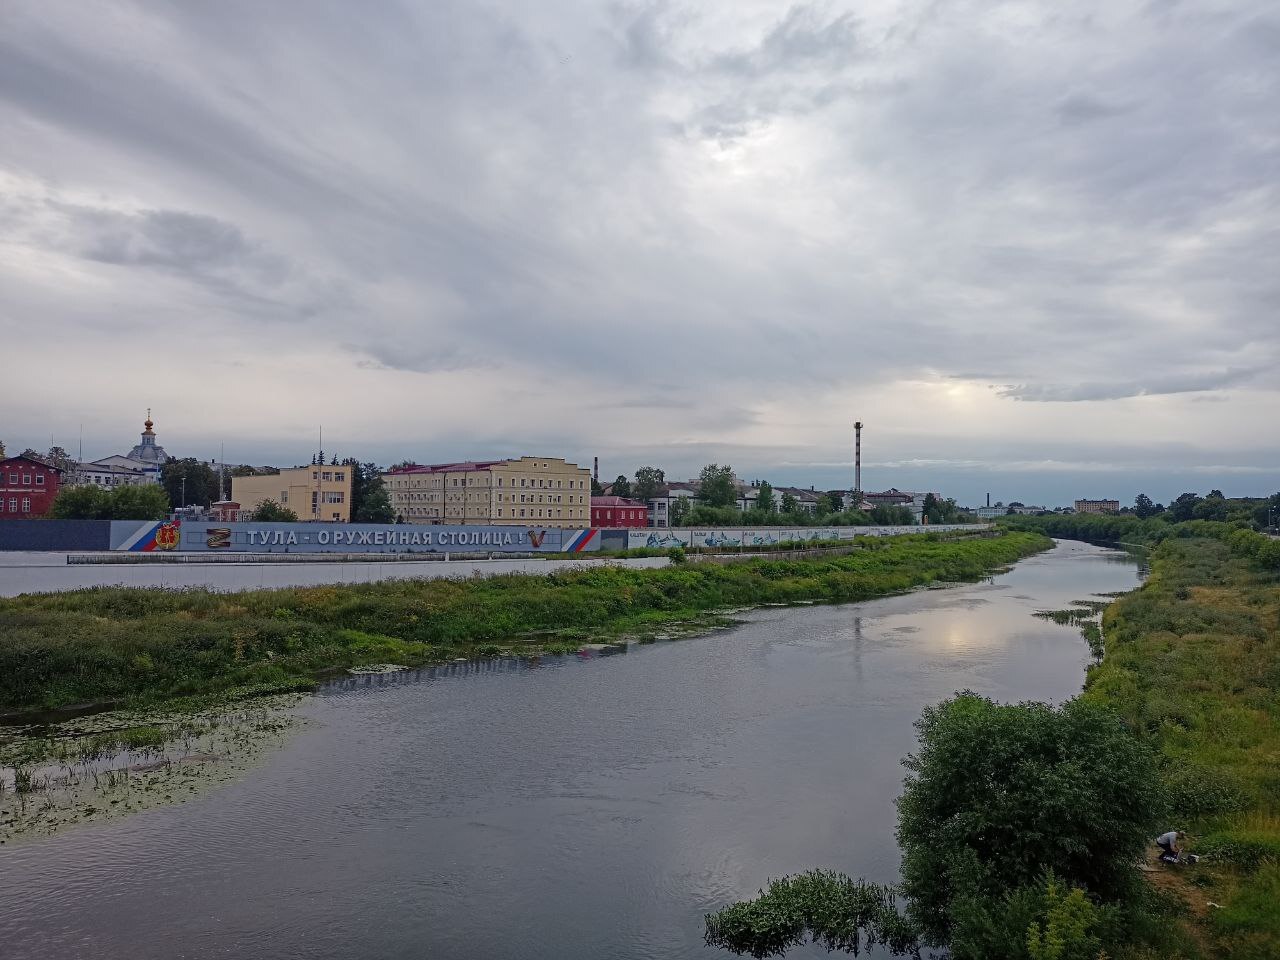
(716, 504)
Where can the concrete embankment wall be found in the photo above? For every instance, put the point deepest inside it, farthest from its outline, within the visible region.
(208, 540)
(37, 535)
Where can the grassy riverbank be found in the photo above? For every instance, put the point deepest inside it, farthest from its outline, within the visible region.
(1193, 666)
(145, 645)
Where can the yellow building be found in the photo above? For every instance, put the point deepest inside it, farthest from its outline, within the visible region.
(321, 492)
(1097, 506)
(530, 491)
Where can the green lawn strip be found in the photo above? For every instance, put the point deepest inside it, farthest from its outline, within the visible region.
(1193, 663)
(142, 645)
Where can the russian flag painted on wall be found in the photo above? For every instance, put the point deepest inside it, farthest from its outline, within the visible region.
(143, 539)
(578, 542)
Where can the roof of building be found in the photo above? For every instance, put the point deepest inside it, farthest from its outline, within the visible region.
(462, 467)
(148, 451)
(466, 466)
(36, 461)
(616, 502)
(99, 467)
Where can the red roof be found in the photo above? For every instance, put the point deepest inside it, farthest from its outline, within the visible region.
(616, 502)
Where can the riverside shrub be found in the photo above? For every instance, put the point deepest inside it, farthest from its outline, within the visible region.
(999, 795)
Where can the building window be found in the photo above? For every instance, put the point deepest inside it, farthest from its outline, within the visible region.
(499, 511)
(327, 475)
(26, 479)
(13, 504)
(284, 496)
(340, 476)
(521, 511)
(39, 479)
(13, 478)
(26, 504)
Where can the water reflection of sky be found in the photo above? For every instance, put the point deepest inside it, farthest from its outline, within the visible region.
(572, 809)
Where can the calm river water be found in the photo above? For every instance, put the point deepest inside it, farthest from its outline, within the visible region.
(581, 809)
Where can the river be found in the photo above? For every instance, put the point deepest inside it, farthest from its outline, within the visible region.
(581, 809)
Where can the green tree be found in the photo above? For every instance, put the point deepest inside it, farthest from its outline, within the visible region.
(788, 504)
(999, 794)
(890, 516)
(138, 501)
(1267, 512)
(1143, 507)
(702, 515)
(268, 511)
(370, 502)
(621, 487)
(375, 503)
(831, 502)
(597, 488)
(59, 458)
(932, 509)
(764, 497)
(134, 501)
(648, 483)
(189, 482)
(1, 450)
(679, 512)
(716, 485)
(1212, 507)
(1184, 508)
(82, 502)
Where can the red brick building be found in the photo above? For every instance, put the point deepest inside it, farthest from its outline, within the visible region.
(618, 512)
(27, 488)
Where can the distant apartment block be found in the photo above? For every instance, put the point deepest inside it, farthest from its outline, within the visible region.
(1097, 506)
(320, 493)
(529, 491)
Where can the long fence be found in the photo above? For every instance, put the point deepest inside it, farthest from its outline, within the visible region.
(211, 537)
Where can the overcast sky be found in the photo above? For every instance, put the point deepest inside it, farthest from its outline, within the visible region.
(1035, 247)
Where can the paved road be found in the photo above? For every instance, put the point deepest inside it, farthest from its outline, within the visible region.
(22, 572)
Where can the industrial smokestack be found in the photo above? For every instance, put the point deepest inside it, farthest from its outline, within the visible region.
(857, 458)
(988, 499)
(595, 469)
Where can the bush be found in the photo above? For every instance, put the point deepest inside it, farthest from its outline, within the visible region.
(676, 555)
(998, 795)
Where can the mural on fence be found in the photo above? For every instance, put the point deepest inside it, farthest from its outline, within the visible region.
(769, 536)
(204, 536)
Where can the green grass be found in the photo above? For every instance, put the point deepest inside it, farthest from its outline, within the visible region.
(1193, 664)
(112, 644)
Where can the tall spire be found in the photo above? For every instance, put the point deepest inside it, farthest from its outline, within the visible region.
(148, 425)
